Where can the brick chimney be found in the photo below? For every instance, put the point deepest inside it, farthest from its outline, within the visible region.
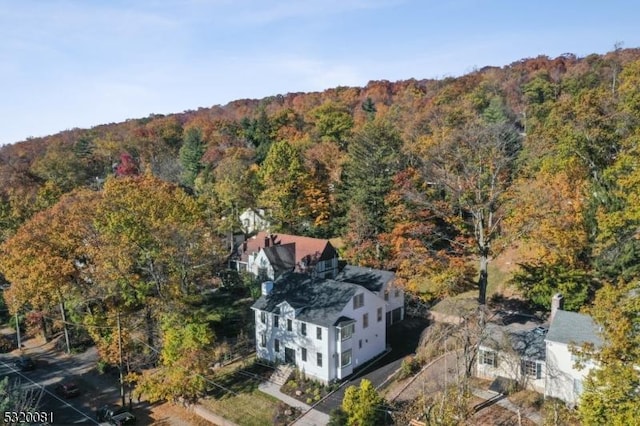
(557, 302)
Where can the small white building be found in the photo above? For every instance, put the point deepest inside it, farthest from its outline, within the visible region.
(568, 330)
(540, 359)
(514, 354)
(325, 327)
(254, 220)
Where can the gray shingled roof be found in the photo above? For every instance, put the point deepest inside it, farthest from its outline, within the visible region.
(371, 279)
(572, 327)
(527, 343)
(320, 301)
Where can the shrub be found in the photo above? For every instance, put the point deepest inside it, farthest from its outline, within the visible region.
(408, 367)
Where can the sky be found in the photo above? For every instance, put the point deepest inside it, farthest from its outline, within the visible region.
(78, 63)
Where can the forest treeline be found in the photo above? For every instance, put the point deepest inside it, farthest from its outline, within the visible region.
(429, 178)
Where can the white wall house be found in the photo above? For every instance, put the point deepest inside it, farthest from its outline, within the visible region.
(254, 220)
(517, 355)
(568, 330)
(380, 283)
(541, 360)
(325, 327)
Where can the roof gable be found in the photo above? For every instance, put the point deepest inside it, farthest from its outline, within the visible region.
(307, 251)
(317, 301)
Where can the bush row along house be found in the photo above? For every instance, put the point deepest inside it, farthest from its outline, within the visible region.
(541, 359)
(325, 321)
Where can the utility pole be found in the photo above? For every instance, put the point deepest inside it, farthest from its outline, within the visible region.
(64, 325)
(120, 359)
(18, 331)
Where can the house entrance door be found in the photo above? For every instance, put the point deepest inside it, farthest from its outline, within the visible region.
(289, 356)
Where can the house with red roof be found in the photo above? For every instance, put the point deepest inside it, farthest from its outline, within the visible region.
(268, 256)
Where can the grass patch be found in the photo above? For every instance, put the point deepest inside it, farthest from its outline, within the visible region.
(252, 408)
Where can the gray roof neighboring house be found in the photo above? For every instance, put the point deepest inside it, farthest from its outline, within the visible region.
(573, 328)
(527, 343)
(371, 279)
(318, 301)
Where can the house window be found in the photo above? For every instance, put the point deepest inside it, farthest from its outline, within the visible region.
(318, 333)
(276, 345)
(358, 301)
(360, 344)
(262, 274)
(289, 325)
(365, 320)
(263, 317)
(304, 354)
(379, 314)
(396, 293)
(488, 358)
(346, 332)
(303, 328)
(263, 340)
(386, 295)
(531, 368)
(276, 321)
(319, 359)
(345, 358)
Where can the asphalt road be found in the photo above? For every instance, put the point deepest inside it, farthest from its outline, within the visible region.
(54, 367)
(403, 339)
(42, 381)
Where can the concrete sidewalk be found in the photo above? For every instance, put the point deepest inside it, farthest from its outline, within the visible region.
(311, 417)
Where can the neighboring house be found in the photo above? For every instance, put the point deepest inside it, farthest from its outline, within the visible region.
(254, 220)
(380, 283)
(515, 354)
(268, 256)
(327, 328)
(538, 358)
(568, 330)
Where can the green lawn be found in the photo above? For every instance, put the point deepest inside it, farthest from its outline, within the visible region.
(252, 408)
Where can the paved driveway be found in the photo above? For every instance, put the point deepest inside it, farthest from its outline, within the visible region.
(403, 338)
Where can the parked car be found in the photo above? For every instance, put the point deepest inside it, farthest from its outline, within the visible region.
(67, 390)
(115, 415)
(25, 363)
(123, 419)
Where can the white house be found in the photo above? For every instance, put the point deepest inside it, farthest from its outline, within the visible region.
(568, 330)
(268, 255)
(515, 354)
(327, 328)
(543, 360)
(254, 220)
(380, 283)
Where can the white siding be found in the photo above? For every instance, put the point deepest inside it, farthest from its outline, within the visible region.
(372, 339)
(394, 302)
(508, 365)
(259, 260)
(252, 222)
(563, 380)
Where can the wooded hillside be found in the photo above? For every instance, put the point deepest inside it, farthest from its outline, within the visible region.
(429, 178)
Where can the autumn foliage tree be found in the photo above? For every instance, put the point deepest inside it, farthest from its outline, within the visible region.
(472, 163)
